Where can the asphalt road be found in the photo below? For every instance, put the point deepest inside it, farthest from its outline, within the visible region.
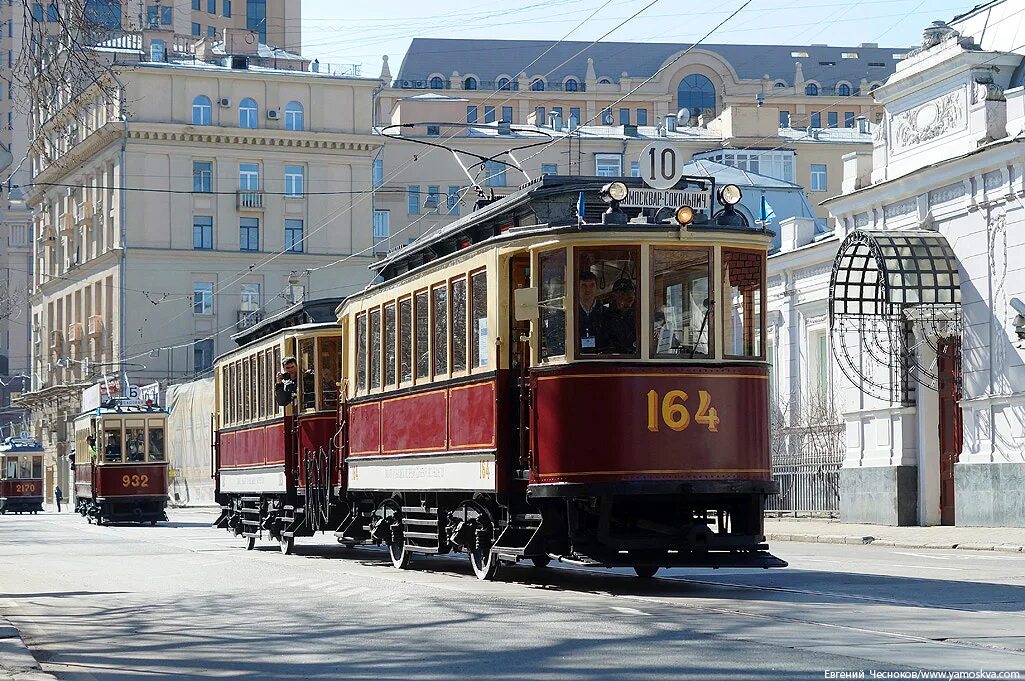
(185, 601)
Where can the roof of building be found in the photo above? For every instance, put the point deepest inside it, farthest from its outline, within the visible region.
(490, 59)
(725, 174)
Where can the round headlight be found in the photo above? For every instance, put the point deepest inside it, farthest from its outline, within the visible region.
(729, 195)
(685, 215)
(616, 191)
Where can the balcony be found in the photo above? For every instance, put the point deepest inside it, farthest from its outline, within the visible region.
(56, 343)
(247, 319)
(75, 332)
(249, 199)
(95, 325)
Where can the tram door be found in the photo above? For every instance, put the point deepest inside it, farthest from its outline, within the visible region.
(949, 365)
(519, 359)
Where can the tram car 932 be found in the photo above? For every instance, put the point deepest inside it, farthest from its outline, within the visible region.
(574, 372)
(21, 476)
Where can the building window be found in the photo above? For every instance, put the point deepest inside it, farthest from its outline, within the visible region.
(249, 177)
(197, 5)
(606, 116)
(489, 114)
(811, 89)
(437, 83)
(818, 177)
(494, 174)
(166, 15)
(202, 298)
(642, 116)
(470, 84)
(816, 119)
(294, 116)
(539, 115)
(158, 51)
(777, 164)
(203, 355)
(635, 169)
(249, 298)
(249, 234)
(211, 6)
(608, 165)
(377, 173)
(256, 17)
(537, 85)
(226, 8)
(202, 111)
(152, 14)
(572, 85)
(294, 236)
(202, 176)
(211, 31)
(197, 29)
(434, 131)
(295, 181)
(382, 224)
(848, 119)
(574, 116)
(203, 232)
(471, 114)
(433, 198)
(247, 113)
(831, 119)
(818, 363)
(696, 94)
(784, 119)
(549, 168)
(624, 116)
(504, 84)
(452, 200)
(844, 90)
(507, 114)
(413, 199)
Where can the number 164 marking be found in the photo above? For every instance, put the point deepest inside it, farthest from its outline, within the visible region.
(672, 411)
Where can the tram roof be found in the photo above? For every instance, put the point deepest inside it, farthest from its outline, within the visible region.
(19, 445)
(302, 313)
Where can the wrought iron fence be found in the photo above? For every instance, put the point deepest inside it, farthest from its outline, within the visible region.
(806, 463)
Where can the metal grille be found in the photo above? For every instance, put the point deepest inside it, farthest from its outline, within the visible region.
(808, 473)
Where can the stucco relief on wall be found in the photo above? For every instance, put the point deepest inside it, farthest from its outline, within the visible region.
(999, 302)
(944, 194)
(930, 121)
(904, 207)
(861, 220)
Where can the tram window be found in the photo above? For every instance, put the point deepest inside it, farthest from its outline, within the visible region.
(26, 466)
(156, 443)
(743, 274)
(276, 364)
(375, 348)
(261, 381)
(330, 351)
(389, 344)
(135, 441)
(361, 352)
(268, 390)
(37, 466)
(479, 320)
(307, 369)
(11, 468)
(423, 330)
(681, 309)
(224, 395)
(458, 295)
(247, 388)
(552, 320)
(254, 386)
(608, 277)
(406, 339)
(440, 300)
(112, 444)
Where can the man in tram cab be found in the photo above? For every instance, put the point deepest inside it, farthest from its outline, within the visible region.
(589, 313)
(113, 451)
(618, 330)
(288, 382)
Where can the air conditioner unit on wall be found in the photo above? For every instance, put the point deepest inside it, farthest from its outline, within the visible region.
(273, 114)
(225, 101)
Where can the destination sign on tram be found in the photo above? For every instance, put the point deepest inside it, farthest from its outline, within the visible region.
(667, 198)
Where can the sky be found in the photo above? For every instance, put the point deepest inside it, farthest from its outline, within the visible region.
(360, 32)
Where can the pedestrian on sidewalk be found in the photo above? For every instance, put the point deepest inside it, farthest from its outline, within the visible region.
(59, 496)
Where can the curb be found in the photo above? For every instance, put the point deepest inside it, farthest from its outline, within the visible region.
(892, 543)
(16, 661)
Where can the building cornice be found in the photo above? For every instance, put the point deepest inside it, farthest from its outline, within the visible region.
(222, 136)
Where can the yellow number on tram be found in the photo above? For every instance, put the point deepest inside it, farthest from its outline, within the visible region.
(672, 411)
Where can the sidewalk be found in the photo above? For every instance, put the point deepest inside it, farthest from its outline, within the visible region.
(16, 662)
(826, 531)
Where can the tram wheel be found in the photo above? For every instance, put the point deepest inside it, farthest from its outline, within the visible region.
(400, 555)
(541, 561)
(99, 520)
(483, 561)
(287, 544)
(250, 543)
(645, 571)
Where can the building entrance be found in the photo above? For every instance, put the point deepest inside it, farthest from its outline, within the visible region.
(948, 357)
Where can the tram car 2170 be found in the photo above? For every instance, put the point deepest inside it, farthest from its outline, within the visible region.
(21, 476)
(120, 463)
(568, 373)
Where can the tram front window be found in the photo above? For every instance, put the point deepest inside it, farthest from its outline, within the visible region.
(11, 468)
(607, 302)
(309, 382)
(37, 466)
(26, 467)
(135, 442)
(112, 445)
(156, 443)
(681, 308)
(743, 277)
(552, 303)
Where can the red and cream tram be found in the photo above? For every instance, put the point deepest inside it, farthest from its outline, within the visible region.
(121, 463)
(21, 476)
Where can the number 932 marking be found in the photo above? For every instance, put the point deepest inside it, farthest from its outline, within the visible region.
(672, 411)
(135, 480)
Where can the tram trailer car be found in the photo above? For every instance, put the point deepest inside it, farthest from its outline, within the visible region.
(21, 476)
(276, 466)
(121, 463)
(530, 383)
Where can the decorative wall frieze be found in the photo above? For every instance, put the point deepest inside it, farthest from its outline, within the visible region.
(326, 142)
(930, 121)
(945, 194)
(861, 220)
(904, 207)
(813, 271)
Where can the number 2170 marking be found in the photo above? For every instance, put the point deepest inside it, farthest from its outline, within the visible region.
(672, 411)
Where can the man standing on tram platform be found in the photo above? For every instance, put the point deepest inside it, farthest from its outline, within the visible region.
(589, 313)
(287, 383)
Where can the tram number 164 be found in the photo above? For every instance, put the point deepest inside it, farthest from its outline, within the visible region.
(672, 411)
(135, 480)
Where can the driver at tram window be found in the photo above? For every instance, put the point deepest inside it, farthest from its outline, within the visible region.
(287, 383)
(618, 332)
(589, 313)
(112, 453)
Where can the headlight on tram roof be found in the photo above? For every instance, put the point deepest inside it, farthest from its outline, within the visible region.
(729, 195)
(613, 191)
(685, 215)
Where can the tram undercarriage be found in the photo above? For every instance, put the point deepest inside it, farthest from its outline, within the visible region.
(281, 517)
(102, 510)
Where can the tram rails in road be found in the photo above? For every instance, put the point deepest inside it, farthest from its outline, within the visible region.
(21, 476)
(487, 408)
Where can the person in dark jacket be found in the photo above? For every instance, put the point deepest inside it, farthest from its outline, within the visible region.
(618, 330)
(287, 383)
(589, 313)
(58, 496)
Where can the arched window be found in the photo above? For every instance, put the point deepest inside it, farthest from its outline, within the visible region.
(504, 84)
(247, 113)
(843, 89)
(811, 89)
(470, 84)
(696, 94)
(537, 85)
(779, 83)
(873, 86)
(437, 83)
(294, 117)
(604, 81)
(572, 85)
(202, 111)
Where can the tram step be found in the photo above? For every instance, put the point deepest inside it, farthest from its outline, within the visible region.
(527, 517)
(419, 509)
(250, 534)
(254, 523)
(433, 536)
(406, 520)
(249, 510)
(250, 499)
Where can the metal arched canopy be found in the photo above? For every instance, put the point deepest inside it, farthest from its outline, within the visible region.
(881, 273)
